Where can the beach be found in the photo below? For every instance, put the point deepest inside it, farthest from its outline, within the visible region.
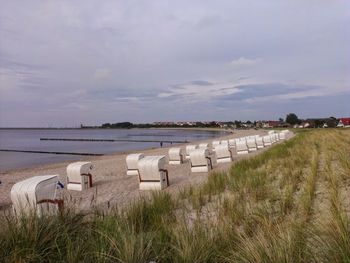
(111, 186)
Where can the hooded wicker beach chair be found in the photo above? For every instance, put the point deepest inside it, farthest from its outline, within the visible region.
(153, 175)
(267, 140)
(252, 147)
(224, 142)
(204, 146)
(131, 163)
(232, 143)
(215, 143)
(190, 148)
(223, 154)
(276, 137)
(176, 155)
(201, 161)
(286, 132)
(273, 138)
(36, 194)
(242, 147)
(281, 135)
(79, 176)
(259, 142)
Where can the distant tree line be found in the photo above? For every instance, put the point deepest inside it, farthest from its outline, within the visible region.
(129, 125)
(291, 120)
(330, 122)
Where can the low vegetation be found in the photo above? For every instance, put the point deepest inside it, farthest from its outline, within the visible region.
(288, 204)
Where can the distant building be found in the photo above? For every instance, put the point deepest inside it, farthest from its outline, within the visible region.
(274, 124)
(305, 124)
(344, 122)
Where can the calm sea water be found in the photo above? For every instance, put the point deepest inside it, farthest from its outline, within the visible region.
(30, 140)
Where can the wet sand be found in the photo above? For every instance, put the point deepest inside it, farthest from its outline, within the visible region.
(111, 185)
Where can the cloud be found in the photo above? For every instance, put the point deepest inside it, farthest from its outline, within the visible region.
(102, 73)
(243, 62)
(273, 93)
(156, 60)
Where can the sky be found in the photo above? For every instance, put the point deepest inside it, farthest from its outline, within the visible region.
(63, 63)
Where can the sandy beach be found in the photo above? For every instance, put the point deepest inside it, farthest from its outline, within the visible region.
(111, 185)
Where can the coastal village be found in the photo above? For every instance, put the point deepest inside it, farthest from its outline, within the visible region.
(330, 122)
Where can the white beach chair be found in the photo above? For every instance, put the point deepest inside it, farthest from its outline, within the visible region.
(281, 136)
(176, 155)
(232, 143)
(273, 138)
(215, 143)
(276, 137)
(242, 147)
(200, 161)
(36, 194)
(79, 176)
(259, 142)
(252, 147)
(271, 132)
(267, 140)
(204, 146)
(287, 133)
(223, 154)
(190, 148)
(153, 175)
(131, 163)
(224, 142)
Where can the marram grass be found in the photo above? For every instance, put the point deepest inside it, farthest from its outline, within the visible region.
(288, 204)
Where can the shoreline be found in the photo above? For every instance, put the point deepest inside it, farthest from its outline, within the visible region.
(111, 186)
(83, 158)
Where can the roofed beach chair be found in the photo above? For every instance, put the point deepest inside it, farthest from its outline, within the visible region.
(242, 147)
(273, 138)
(271, 132)
(131, 163)
(267, 140)
(232, 143)
(215, 143)
(224, 142)
(259, 142)
(190, 148)
(204, 145)
(276, 137)
(288, 133)
(200, 161)
(152, 173)
(176, 155)
(79, 176)
(223, 154)
(252, 147)
(36, 194)
(282, 136)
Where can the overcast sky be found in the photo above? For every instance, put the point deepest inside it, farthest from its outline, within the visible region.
(63, 63)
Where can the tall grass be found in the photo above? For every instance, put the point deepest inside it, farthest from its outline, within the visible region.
(284, 205)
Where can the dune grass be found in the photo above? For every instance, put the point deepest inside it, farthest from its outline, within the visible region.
(288, 204)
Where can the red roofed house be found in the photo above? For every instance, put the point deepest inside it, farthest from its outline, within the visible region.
(344, 122)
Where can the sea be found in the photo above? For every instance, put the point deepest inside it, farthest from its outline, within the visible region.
(29, 140)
